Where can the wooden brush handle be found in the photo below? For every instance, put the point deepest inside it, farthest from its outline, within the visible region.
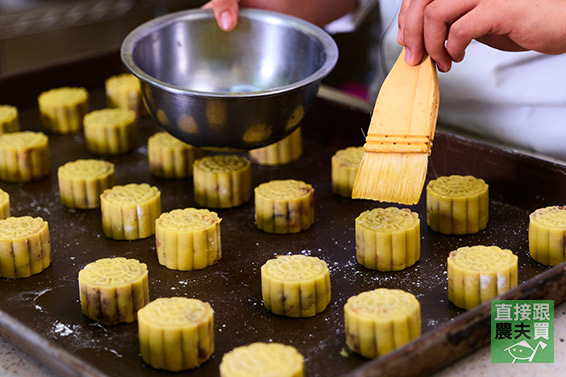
(405, 112)
(398, 143)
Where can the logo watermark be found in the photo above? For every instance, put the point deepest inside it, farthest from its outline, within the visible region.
(522, 331)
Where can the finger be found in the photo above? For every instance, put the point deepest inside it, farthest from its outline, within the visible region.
(226, 13)
(438, 19)
(413, 31)
(401, 20)
(473, 25)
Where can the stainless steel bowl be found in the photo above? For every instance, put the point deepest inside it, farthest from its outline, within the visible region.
(241, 89)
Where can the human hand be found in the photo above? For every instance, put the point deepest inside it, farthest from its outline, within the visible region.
(444, 28)
(319, 12)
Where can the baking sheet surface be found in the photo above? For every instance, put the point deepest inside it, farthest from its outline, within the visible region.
(47, 304)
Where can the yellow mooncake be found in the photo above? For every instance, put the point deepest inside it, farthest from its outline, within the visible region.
(284, 206)
(62, 109)
(379, 321)
(479, 273)
(176, 333)
(112, 290)
(24, 156)
(82, 181)
(547, 235)
(9, 121)
(262, 360)
(129, 212)
(25, 248)
(188, 239)
(295, 285)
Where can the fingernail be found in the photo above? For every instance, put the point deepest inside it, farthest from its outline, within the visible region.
(407, 56)
(225, 21)
(441, 68)
(400, 36)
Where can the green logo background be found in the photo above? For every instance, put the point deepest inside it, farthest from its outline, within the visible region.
(522, 331)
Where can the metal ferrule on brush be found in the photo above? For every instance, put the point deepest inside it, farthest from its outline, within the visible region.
(376, 143)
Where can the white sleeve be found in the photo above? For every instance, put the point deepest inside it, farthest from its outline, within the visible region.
(352, 20)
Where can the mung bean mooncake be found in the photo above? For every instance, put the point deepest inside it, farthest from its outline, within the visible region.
(170, 157)
(282, 152)
(479, 273)
(261, 360)
(82, 181)
(222, 181)
(124, 91)
(388, 239)
(176, 333)
(9, 121)
(25, 248)
(379, 321)
(109, 132)
(457, 204)
(284, 206)
(344, 167)
(188, 239)
(112, 290)
(129, 212)
(62, 109)
(295, 285)
(547, 235)
(4, 204)
(24, 156)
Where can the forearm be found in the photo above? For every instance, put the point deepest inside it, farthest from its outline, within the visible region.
(319, 12)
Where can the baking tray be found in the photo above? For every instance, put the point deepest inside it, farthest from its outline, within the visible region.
(42, 315)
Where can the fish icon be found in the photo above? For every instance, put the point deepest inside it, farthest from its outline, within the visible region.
(524, 351)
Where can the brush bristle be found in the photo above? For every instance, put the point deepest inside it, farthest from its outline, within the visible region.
(391, 177)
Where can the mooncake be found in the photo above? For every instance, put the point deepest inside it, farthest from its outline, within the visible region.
(129, 212)
(261, 360)
(282, 152)
(176, 333)
(295, 285)
(547, 235)
(24, 156)
(170, 157)
(222, 181)
(344, 167)
(25, 248)
(379, 321)
(112, 290)
(388, 239)
(284, 206)
(457, 204)
(62, 109)
(109, 132)
(82, 181)
(124, 91)
(479, 273)
(188, 239)
(9, 121)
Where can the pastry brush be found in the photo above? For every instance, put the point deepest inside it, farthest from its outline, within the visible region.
(399, 139)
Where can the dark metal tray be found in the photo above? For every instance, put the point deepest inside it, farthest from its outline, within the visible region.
(42, 313)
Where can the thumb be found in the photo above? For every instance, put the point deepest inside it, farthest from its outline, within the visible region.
(225, 12)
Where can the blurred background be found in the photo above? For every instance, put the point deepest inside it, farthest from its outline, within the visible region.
(34, 33)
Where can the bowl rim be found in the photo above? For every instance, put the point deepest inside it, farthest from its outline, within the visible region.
(328, 43)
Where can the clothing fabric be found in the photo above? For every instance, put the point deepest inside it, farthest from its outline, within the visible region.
(516, 98)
